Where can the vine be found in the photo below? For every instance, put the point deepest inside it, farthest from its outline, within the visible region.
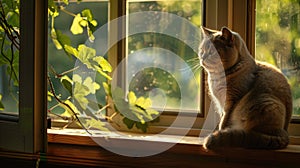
(78, 88)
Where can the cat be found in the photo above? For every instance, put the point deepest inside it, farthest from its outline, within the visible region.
(253, 98)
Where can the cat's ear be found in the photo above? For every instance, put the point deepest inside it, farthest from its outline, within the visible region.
(227, 34)
(207, 31)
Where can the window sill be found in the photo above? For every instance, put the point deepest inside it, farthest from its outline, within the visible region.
(73, 146)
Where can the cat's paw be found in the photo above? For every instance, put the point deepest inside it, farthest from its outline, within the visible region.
(211, 142)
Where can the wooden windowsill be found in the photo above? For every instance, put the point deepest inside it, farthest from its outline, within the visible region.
(75, 146)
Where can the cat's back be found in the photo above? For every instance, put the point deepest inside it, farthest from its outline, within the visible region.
(270, 80)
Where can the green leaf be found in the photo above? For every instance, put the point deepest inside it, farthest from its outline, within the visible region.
(142, 126)
(66, 2)
(85, 54)
(62, 38)
(52, 8)
(80, 92)
(71, 50)
(94, 22)
(131, 98)
(67, 83)
(97, 124)
(13, 19)
(1, 105)
(103, 63)
(54, 38)
(76, 27)
(49, 96)
(107, 88)
(68, 112)
(77, 78)
(88, 14)
(93, 86)
(84, 23)
(129, 123)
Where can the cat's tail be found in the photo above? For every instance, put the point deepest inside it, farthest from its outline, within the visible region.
(247, 139)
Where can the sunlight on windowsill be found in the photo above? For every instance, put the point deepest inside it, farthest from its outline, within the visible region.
(81, 137)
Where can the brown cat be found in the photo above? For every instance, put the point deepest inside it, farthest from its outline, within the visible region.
(253, 98)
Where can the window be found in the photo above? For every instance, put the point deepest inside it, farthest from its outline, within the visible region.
(61, 64)
(150, 44)
(278, 41)
(133, 44)
(31, 121)
(9, 60)
(101, 10)
(27, 132)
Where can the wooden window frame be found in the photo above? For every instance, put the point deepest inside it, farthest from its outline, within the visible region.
(78, 149)
(27, 132)
(238, 15)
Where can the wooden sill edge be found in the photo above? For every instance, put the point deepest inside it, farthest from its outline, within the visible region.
(80, 137)
(72, 146)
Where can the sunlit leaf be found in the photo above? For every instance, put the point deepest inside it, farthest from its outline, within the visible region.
(104, 64)
(104, 74)
(55, 40)
(153, 112)
(85, 54)
(49, 96)
(13, 19)
(71, 50)
(88, 14)
(76, 27)
(131, 98)
(107, 88)
(67, 83)
(93, 86)
(84, 23)
(66, 2)
(80, 92)
(94, 22)
(77, 78)
(1, 105)
(97, 124)
(140, 102)
(68, 112)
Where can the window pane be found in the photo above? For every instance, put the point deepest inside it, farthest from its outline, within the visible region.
(162, 84)
(9, 56)
(61, 64)
(278, 40)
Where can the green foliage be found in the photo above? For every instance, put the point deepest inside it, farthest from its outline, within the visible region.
(1, 105)
(277, 40)
(136, 111)
(9, 38)
(75, 100)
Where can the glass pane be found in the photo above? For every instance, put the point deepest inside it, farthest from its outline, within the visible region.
(9, 56)
(63, 32)
(157, 71)
(278, 40)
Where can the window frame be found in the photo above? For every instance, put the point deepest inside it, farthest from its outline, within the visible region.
(27, 132)
(214, 13)
(119, 49)
(81, 150)
(238, 15)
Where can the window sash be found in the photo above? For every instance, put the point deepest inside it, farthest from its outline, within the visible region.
(28, 134)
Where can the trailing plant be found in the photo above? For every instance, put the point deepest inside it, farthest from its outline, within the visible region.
(77, 105)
